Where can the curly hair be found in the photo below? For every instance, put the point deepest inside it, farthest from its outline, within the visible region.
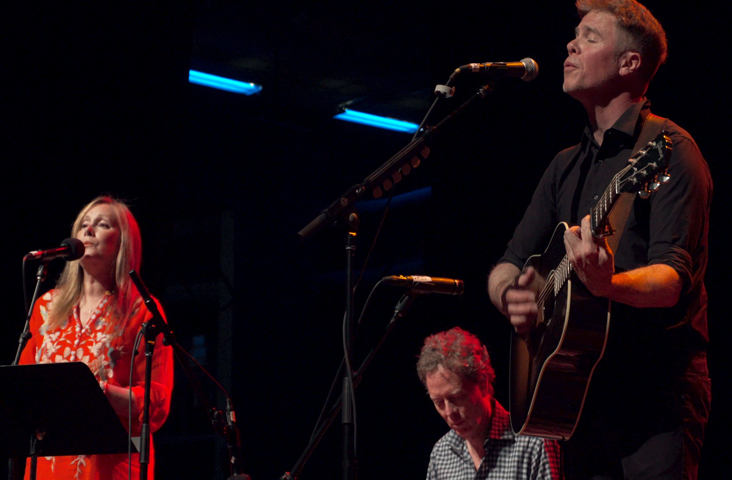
(645, 33)
(460, 352)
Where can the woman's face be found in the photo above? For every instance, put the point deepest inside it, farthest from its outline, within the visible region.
(100, 235)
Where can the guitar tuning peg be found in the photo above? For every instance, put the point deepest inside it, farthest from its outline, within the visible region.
(644, 194)
(653, 186)
(387, 184)
(396, 176)
(664, 178)
(406, 169)
(377, 192)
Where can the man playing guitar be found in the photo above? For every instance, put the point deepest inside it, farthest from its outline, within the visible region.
(647, 403)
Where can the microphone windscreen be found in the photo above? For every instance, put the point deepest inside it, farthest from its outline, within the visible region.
(76, 248)
(532, 69)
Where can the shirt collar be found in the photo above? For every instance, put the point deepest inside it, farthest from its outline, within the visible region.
(499, 431)
(500, 425)
(628, 125)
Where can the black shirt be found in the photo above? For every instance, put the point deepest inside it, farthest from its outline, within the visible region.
(647, 348)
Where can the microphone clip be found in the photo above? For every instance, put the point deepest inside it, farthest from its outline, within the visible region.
(444, 91)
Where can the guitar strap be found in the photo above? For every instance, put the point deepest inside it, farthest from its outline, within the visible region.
(618, 218)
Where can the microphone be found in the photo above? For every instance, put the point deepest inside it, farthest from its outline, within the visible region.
(527, 69)
(70, 249)
(419, 284)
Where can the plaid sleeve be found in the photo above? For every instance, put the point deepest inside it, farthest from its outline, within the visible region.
(552, 456)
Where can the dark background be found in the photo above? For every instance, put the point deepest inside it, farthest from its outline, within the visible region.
(95, 99)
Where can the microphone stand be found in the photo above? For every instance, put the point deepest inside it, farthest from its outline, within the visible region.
(344, 207)
(150, 329)
(26, 335)
(400, 310)
(224, 423)
(350, 462)
(14, 464)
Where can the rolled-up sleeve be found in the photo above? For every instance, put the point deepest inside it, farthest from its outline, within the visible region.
(680, 211)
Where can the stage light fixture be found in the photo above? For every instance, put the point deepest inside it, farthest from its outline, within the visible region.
(222, 83)
(377, 121)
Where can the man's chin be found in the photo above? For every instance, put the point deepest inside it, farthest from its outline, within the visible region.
(575, 93)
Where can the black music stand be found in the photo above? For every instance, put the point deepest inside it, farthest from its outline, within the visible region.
(62, 400)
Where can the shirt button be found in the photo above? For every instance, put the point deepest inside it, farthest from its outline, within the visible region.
(595, 197)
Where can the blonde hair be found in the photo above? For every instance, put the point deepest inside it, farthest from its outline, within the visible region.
(129, 257)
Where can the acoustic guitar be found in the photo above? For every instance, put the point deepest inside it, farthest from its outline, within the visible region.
(551, 366)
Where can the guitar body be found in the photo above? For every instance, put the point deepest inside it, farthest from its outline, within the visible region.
(551, 367)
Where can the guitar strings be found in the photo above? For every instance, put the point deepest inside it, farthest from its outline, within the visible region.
(557, 278)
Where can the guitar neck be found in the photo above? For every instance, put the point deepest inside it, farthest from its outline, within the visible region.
(600, 212)
(598, 218)
(632, 178)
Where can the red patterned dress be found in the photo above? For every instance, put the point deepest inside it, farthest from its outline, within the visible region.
(107, 352)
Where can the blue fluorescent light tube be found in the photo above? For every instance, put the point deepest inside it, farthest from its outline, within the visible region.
(221, 83)
(376, 121)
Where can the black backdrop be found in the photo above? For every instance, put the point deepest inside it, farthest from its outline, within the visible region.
(95, 100)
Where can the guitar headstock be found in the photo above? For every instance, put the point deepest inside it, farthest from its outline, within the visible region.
(646, 171)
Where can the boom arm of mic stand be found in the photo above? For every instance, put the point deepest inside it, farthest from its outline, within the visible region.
(386, 172)
(409, 156)
(399, 311)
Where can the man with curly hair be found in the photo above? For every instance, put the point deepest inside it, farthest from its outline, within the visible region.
(456, 369)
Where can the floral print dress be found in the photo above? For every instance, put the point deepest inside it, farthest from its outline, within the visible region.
(106, 350)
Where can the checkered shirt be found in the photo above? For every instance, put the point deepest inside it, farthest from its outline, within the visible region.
(507, 456)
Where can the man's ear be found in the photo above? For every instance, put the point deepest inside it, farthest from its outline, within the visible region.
(629, 62)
